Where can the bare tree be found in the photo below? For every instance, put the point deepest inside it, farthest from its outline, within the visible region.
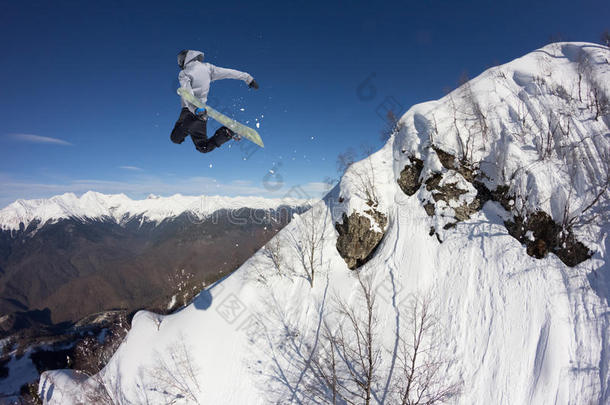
(356, 344)
(324, 364)
(554, 130)
(598, 99)
(104, 391)
(420, 380)
(582, 68)
(347, 358)
(475, 111)
(273, 251)
(308, 241)
(365, 182)
(339, 359)
(585, 214)
(99, 391)
(390, 127)
(175, 375)
(92, 353)
(463, 147)
(345, 160)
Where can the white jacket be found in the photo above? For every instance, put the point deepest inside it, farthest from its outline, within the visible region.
(197, 76)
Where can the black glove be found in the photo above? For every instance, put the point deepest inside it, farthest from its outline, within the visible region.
(253, 85)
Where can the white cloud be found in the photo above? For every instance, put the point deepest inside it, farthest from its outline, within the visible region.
(39, 139)
(132, 168)
(12, 189)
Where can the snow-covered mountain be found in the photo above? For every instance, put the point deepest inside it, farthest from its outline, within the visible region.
(120, 208)
(489, 205)
(108, 251)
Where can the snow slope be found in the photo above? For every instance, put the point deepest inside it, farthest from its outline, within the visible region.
(120, 208)
(518, 330)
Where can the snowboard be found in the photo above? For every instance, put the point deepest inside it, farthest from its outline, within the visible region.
(237, 127)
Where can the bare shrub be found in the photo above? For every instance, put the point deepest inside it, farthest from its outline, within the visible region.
(174, 375)
(586, 214)
(308, 241)
(273, 251)
(345, 160)
(99, 391)
(28, 395)
(554, 130)
(420, 379)
(390, 127)
(93, 353)
(474, 112)
(365, 182)
(582, 68)
(341, 362)
(356, 344)
(598, 100)
(467, 111)
(464, 152)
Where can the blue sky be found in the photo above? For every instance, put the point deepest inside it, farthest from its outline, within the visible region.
(87, 97)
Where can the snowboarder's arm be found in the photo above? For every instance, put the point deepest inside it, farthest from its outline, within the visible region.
(219, 73)
(185, 81)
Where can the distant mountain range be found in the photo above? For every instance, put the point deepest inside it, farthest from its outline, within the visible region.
(121, 209)
(70, 256)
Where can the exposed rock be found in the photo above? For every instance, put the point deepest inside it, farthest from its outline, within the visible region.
(409, 177)
(447, 192)
(538, 249)
(450, 192)
(357, 240)
(447, 160)
(450, 162)
(433, 182)
(429, 207)
(538, 232)
(542, 235)
(465, 211)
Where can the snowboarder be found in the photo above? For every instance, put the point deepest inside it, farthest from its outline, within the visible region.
(196, 77)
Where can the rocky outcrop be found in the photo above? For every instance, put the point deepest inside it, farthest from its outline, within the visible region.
(409, 180)
(358, 237)
(450, 198)
(457, 193)
(541, 235)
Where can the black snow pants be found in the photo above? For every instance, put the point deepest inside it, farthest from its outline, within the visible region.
(189, 124)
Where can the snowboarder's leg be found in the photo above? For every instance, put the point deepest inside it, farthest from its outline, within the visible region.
(203, 145)
(222, 135)
(180, 130)
(198, 129)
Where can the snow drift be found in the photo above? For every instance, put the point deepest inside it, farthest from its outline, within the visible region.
(510, 327)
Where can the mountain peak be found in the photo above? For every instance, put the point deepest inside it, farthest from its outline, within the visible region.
(119, 207)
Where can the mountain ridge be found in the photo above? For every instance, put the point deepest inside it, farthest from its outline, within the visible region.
(120, 208)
